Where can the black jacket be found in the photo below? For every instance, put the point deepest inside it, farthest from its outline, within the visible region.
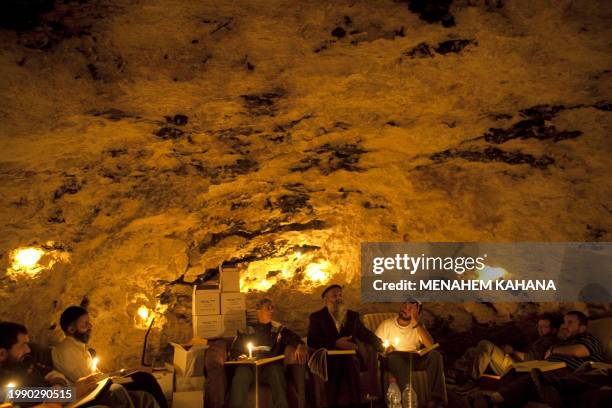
(273, 335)
(322, 330)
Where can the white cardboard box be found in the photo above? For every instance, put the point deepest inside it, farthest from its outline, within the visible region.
(205, 300)
(188, 359)
(189, 383)
(232, 302)
(230, 279)
(207, 326)
(232, 323)
(188, 399)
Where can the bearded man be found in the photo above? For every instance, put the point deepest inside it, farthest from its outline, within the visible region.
(406, 334)
(335, 327)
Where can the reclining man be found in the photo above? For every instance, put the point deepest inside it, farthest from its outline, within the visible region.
(577, 346)
(72, 358)
(335, 327)
(271, 338)
(408, 334)
(17, 365)
(487, 355)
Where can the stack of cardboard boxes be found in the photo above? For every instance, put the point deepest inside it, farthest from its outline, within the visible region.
(218, 310)
(189, 377)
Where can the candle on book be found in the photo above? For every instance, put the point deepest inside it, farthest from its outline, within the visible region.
(386, 343)
(94, 364)
(250, 347)
(395, 342)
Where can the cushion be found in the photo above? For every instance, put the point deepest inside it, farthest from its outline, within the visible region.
(602, 329)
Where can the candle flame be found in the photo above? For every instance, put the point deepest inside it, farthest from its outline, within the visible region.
(395, 341)
(386, 343)
(94, 363)
(10, 385)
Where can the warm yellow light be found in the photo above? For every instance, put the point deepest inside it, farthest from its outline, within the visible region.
(25, 261)
(144, 316)
(250, 348)
(298, 255)
(489, 273)
(28, 257)
(316, 272)
(94, 364)
(264, 284)
(395, 342)
(143, 312)
(10, 385)
(386, 343)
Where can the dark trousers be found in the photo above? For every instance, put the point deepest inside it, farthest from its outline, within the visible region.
(143, 381)
(432, 363)
(339, 369)
(272, 374)
(518, 388)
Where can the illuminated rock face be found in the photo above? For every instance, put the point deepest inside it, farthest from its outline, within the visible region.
(151, 142)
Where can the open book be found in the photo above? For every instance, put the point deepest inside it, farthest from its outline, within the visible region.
(527, 366)
(102, 386)
(256, 361)
(425, 350)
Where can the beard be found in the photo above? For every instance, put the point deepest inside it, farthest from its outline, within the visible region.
(338, 311)
(404, 316)
(82, 336)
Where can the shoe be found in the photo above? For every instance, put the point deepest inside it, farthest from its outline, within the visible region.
(547, 393)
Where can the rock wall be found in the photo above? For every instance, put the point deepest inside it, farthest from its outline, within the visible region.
(144, 143)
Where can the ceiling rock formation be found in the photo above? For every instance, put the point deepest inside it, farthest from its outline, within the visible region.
(144, 143)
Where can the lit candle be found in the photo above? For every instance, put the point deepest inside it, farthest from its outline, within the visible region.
(94, 364)
(395, 342)
(386, 343)
(10, 385)
(250, 347)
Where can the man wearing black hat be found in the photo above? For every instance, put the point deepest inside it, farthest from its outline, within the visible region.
(73, 359)
(334, 327)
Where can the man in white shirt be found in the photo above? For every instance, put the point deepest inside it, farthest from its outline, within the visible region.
(73, 359)
(405, 333)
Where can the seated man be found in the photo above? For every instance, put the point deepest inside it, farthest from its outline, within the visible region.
(406, 333)
(489, 356)
(335, 327)
(18, 367)
(274, 338)
(72, 358)
(576, 347)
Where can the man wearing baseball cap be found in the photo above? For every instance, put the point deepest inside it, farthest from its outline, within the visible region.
(405, 333)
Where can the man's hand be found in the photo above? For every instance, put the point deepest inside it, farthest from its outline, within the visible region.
(508, 349)
(301, 354)
(345, 343)
(390, 349)
(85, 385)
(242, 357)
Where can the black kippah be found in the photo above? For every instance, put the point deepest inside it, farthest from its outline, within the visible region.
(71, 315)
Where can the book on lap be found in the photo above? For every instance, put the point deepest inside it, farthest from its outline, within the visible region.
(102, 386)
